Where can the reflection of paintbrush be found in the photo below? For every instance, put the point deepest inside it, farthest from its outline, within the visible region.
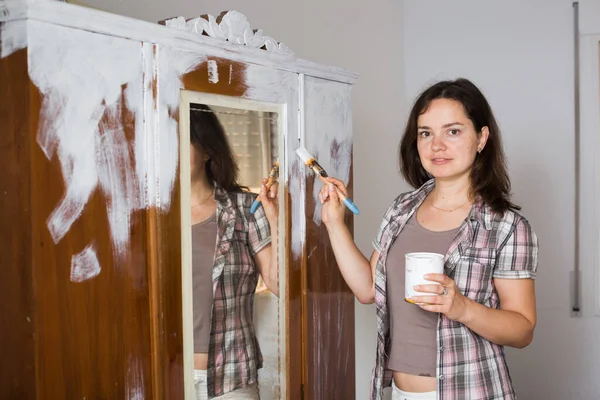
(273, 175)
(311, 163)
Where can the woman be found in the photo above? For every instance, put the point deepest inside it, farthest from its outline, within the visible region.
(226, 353)
(449, 345)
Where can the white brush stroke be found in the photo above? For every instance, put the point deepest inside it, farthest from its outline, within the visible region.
(13, 37)
(329, 131)
(117, 180)
(296, 188)
(173, 64)
(135, 382)
(213, 72)
(85, 265)
(98, 155)
(74, 101)
(266, 83)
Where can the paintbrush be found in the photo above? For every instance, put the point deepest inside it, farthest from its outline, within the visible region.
(314, 166)
(273, 175)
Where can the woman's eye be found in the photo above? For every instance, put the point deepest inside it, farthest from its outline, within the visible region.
(454, 132)
(424, 134)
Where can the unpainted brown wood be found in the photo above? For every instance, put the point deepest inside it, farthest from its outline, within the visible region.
(17, 300)
(92, 338)
(295, 328)
(329, 314)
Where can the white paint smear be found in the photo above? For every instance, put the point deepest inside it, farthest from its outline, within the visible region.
(85, 265)
(75, 99)
(13, 37)
(173, 64)
(135, 381)
(84, 79)
(117, 179)
(213, 72)
(328, 131)
(265, 84)
(296, 189)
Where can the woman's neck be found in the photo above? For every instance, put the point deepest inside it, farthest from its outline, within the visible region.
(450, 194)
(201, 190)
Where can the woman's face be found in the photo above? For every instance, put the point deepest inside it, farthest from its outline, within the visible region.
(198, 159)
(447, 141)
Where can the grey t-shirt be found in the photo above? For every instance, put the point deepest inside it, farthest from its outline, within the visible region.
(413, 345)
(204, 239)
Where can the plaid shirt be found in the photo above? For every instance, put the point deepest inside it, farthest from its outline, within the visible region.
(487, 246)
(233, 353)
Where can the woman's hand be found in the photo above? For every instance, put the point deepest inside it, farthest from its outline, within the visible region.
(269, 201)
(334, 209)
(448, 300)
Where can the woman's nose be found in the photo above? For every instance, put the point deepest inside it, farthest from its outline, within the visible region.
(437, 143)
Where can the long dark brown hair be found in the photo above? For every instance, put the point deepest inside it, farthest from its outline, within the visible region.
(207, 133)
(489, 176)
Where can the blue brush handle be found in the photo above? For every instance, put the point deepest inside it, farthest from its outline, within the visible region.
(254, 206)
(351, 206)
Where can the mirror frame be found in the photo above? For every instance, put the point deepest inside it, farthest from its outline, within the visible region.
(186, 98)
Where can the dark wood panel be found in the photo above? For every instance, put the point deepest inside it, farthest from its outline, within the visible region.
(93, 337)
(329, 314)
(164, 232)
(231, 81)
(295, 326)
(17, 357)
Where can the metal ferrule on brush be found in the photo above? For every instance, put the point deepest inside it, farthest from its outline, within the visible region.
(274, 172)
(317, 169)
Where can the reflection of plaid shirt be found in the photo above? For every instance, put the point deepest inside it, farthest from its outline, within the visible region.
(488, 245)
(233, 353)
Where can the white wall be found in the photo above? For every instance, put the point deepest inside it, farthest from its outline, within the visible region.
(365, 37)
(521, 55)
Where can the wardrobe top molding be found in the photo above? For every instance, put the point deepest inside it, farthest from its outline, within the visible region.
(232, 36)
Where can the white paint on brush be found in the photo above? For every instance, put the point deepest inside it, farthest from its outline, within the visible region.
(213, 72)
(328, 126)
(85, 265)
(13, 37)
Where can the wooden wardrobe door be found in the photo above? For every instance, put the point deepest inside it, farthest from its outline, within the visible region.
(17, 301)
(329, 303)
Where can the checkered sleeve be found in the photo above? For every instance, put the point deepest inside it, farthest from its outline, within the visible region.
(259, 231)
(517, 258)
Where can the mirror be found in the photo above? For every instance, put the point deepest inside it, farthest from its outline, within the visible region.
(230, 272)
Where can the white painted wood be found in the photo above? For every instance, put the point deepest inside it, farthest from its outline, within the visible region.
(84, 18)
(233, 27)
(187, 308)
(328, 130)
(590, 167)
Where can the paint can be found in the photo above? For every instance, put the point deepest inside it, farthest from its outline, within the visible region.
(416, 266)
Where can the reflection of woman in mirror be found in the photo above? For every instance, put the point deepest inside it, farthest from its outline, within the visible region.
(230, 249)
(448, 345)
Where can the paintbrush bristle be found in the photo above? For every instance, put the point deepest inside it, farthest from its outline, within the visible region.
(304, 155)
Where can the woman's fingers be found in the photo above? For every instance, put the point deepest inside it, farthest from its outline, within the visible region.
(339, 184)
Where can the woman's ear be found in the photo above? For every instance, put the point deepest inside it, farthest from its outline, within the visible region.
(483, 137)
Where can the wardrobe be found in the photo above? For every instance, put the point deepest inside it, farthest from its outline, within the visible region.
(94, 201)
